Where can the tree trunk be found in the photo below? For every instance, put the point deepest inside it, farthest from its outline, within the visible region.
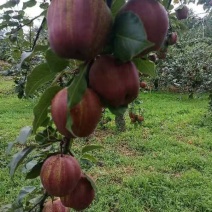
(120, 123)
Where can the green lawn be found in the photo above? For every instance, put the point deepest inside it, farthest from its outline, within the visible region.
(164, 165)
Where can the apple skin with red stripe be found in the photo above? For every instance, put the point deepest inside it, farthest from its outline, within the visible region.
(116, 83)
(78, 29)
(85, 115)
(81, 197)
(55, 206)
(60, 174)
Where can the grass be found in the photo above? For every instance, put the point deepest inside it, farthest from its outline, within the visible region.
(162, 165)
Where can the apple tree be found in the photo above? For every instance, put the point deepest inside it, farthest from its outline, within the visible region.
(188, 64)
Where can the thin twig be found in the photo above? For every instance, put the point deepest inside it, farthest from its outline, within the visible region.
(38, 33)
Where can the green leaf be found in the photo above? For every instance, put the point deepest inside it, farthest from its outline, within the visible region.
(56, 64)
(18, 158)
(44, 6)
(30, 3)
(41, 48)
(130, 37)
(116, 5)
(24, 192)
(3, 25)
(29, 165)
(40, 75)
(145, 66)
(18, 17)
(89, 157)
(76, 91)
(9, 147)
(8, 4)
(41, 109)
(24, 134)
(118, 111)
(36, 200)
(90, 148)
(35, 171)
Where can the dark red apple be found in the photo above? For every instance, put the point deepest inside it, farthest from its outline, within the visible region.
(140, 118)
(85, 115)
(132, 115)
(81, 197)
(182, 12)
(78, 29)
(172, 38)
(60, 174)
(55, 206)
(143, 84)
(154, 18)
(116, 83)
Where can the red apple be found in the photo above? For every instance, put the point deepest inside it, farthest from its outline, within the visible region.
(60, 174)
(78, 29)
(143, 84)
(116, 83)
(81, 197)
(182, 12)
(172, 38)
(55, 206)
(140, 118)
(132, 115)
(85, 115)
(154, 18)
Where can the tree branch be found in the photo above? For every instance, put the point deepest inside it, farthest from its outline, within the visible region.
(38, 33)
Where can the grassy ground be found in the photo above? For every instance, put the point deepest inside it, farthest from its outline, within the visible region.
(162, 165)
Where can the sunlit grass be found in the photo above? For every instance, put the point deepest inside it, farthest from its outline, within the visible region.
(164, 164)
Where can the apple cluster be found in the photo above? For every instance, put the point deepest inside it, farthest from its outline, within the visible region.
(62, 177)
(80, 29)
(135, 117)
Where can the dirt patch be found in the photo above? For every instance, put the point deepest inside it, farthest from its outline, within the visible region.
(125, 150)
(100, 135)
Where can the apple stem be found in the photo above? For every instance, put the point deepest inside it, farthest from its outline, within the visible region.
(61, 148)
(65, 145)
